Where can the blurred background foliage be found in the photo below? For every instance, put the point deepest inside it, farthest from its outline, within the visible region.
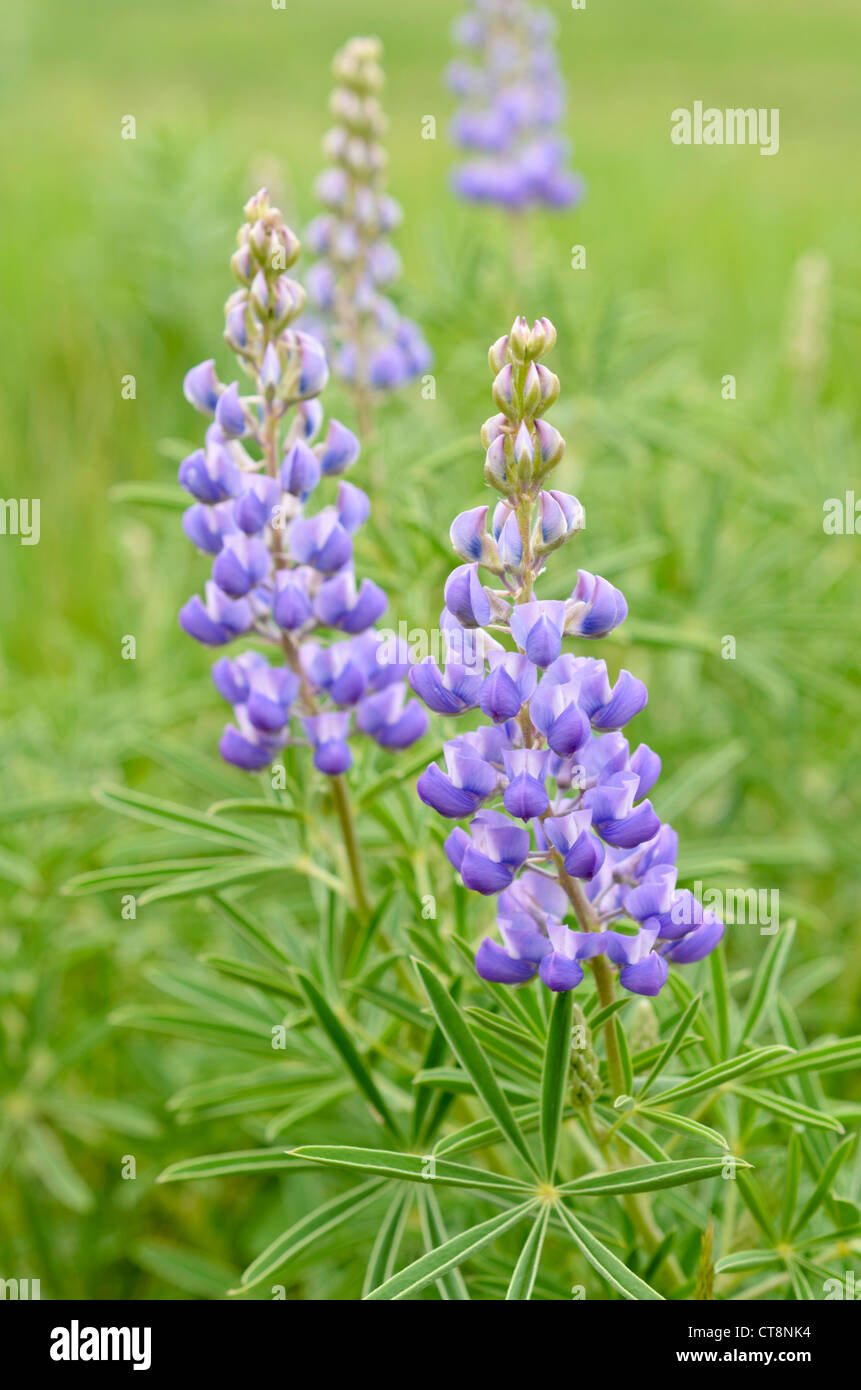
(707, 512)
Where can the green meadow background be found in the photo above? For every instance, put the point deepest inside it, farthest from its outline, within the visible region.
(700, 263)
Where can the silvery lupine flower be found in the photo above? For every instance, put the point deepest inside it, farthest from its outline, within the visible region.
(279, 575)
(556, 800)
(512, 102)
(370, 344)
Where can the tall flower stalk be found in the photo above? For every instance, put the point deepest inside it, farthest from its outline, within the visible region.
(512, 103)
(281, 576)
(371, 345)
(560, 827)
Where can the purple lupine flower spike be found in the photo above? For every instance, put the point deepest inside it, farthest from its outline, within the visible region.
(280, 575)
(369, 344)
(512, 101)
(559, 821)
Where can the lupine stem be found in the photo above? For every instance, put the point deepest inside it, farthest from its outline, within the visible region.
(601, 971)
(344, 812)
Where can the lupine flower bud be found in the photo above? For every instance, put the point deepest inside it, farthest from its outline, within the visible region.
(210, 475)
(240, 565)
(229, 415)
(498, 354)
(300, 470)
(496, 465)
(201, 387)
(503, 390)
(518, 339)
(470, 540)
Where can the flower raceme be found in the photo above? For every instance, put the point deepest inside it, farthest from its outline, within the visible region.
(560, 824)
(370, 344)
(512, 101)
(280, 575)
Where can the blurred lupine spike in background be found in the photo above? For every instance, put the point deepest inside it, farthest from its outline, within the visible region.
(512, 104)
(371, 345)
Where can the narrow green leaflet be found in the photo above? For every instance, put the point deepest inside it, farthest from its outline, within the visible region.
(554, 1077)
(748, 1259)
(716, 1077)
(471, 1057)
(720, 996)
(674, 1042)
(820, 1191)
(452, 1285)
(683, 1124)
(389, 1237)
(170, 815)
(608, 1265)
(447, 1256)
(311, 1227)
(410, 1167)
(343, 1044)
(789, 1109)
(526, 1269)
(221, 1165)
(822, 1057)
(648, 1177)
(767, 980)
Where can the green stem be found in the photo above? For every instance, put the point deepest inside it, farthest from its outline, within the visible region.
(601, 971)
(344, 811)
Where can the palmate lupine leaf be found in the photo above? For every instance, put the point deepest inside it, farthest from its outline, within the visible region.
(311, 1102)
(472, 1059)
(449, 1255)
(554, 1080)
(609, 1266)
(525, 1271)
(410, 1168)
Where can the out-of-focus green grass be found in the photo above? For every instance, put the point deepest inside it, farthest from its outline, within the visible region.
(707, 513)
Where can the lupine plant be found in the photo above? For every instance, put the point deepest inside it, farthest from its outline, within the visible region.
(512, 102)
(647, 1146)
(561, 824)
(279, 575)
(371, 345)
